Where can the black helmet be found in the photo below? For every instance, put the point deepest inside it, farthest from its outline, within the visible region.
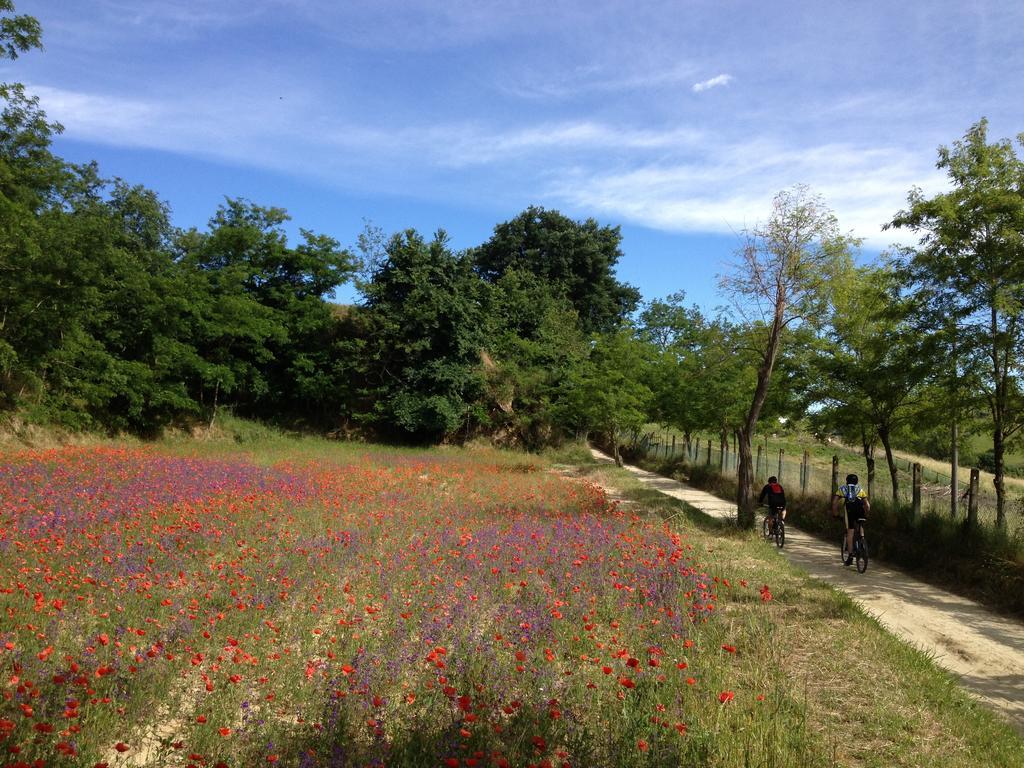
(852, 480)
(773, 479)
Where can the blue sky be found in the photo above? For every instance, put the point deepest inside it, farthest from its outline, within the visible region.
(678, 121)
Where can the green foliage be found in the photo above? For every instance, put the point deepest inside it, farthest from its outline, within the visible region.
(576, 259)
(265, 321)
(423, 308)
(18, 34)
(969, 268)
(533, 344)
(608, 393)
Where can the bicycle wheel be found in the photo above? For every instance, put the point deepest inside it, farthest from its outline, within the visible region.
(861, 546)
(780, 533)
(767, 529)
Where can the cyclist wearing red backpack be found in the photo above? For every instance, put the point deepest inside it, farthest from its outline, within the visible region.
(775, 497)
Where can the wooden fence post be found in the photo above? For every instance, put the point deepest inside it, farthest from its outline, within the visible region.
(835, 474)
(709, 451)
(779, 475)
(673, 445)
(972, 500)
(805, 477)
(757, 467)
(917, 475)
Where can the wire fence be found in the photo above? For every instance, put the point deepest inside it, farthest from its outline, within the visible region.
(807, 475)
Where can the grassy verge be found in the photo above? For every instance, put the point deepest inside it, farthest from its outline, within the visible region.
(845, 692)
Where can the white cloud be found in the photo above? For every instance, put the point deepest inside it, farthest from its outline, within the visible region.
(731, 187)
(679, 179)
(242, 125)
(713, 82)
(549, 83)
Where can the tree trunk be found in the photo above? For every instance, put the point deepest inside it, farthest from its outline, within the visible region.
(745, 480)
(869, 459)
(954, 466)
(954, 459)
(998, 406)
(615, 448)
(998, 448)
(746, 514)
(883, 435)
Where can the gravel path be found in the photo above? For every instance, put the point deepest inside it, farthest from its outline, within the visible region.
(984, 649)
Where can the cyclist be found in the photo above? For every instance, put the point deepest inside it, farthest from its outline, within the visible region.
(855, 506)
(775, 496)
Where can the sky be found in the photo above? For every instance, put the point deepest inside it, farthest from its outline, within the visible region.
(677, 121)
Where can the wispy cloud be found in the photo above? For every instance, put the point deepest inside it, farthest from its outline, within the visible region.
(714, 82)
(679, 179)
(238, 123)
(595, 79)
(731, 187)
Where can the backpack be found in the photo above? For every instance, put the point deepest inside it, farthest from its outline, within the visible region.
(854, 501)
(776, 496)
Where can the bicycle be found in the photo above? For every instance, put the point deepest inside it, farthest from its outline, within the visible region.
(775, 531)
(860, 546)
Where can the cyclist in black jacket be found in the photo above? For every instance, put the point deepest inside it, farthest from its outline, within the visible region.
(775, 496)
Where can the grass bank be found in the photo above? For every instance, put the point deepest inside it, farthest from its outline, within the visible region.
(845, 691)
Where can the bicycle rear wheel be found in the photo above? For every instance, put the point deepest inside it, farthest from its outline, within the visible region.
(861, 545)
(780, 533)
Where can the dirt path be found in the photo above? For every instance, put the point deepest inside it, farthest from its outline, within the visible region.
(985, 650)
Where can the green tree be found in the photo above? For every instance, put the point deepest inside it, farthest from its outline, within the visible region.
(577, 259)
(872, 363)
(423, 306)
(686, 374)
(970, 263)
(533, 342)
(265, 332)
(18, 34)
(31, 179)
(608, 393)
(780, 279)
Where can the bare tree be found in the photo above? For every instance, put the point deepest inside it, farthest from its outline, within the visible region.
(781, 277)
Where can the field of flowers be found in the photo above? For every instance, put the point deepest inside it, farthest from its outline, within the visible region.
(382, 609)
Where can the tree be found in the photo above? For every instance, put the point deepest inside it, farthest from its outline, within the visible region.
(873, 364)
(267, 328)
(31, 177)
(533, 343)
(423, 307)
(608, 393)
(781, 278)
(969, 265)
(18, 34)
(577, 259)
(678, 336)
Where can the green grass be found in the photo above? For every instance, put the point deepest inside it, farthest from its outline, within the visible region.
(861, 696)
(794, 654)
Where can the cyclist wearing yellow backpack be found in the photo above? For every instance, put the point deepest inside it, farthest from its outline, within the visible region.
(855, 507)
